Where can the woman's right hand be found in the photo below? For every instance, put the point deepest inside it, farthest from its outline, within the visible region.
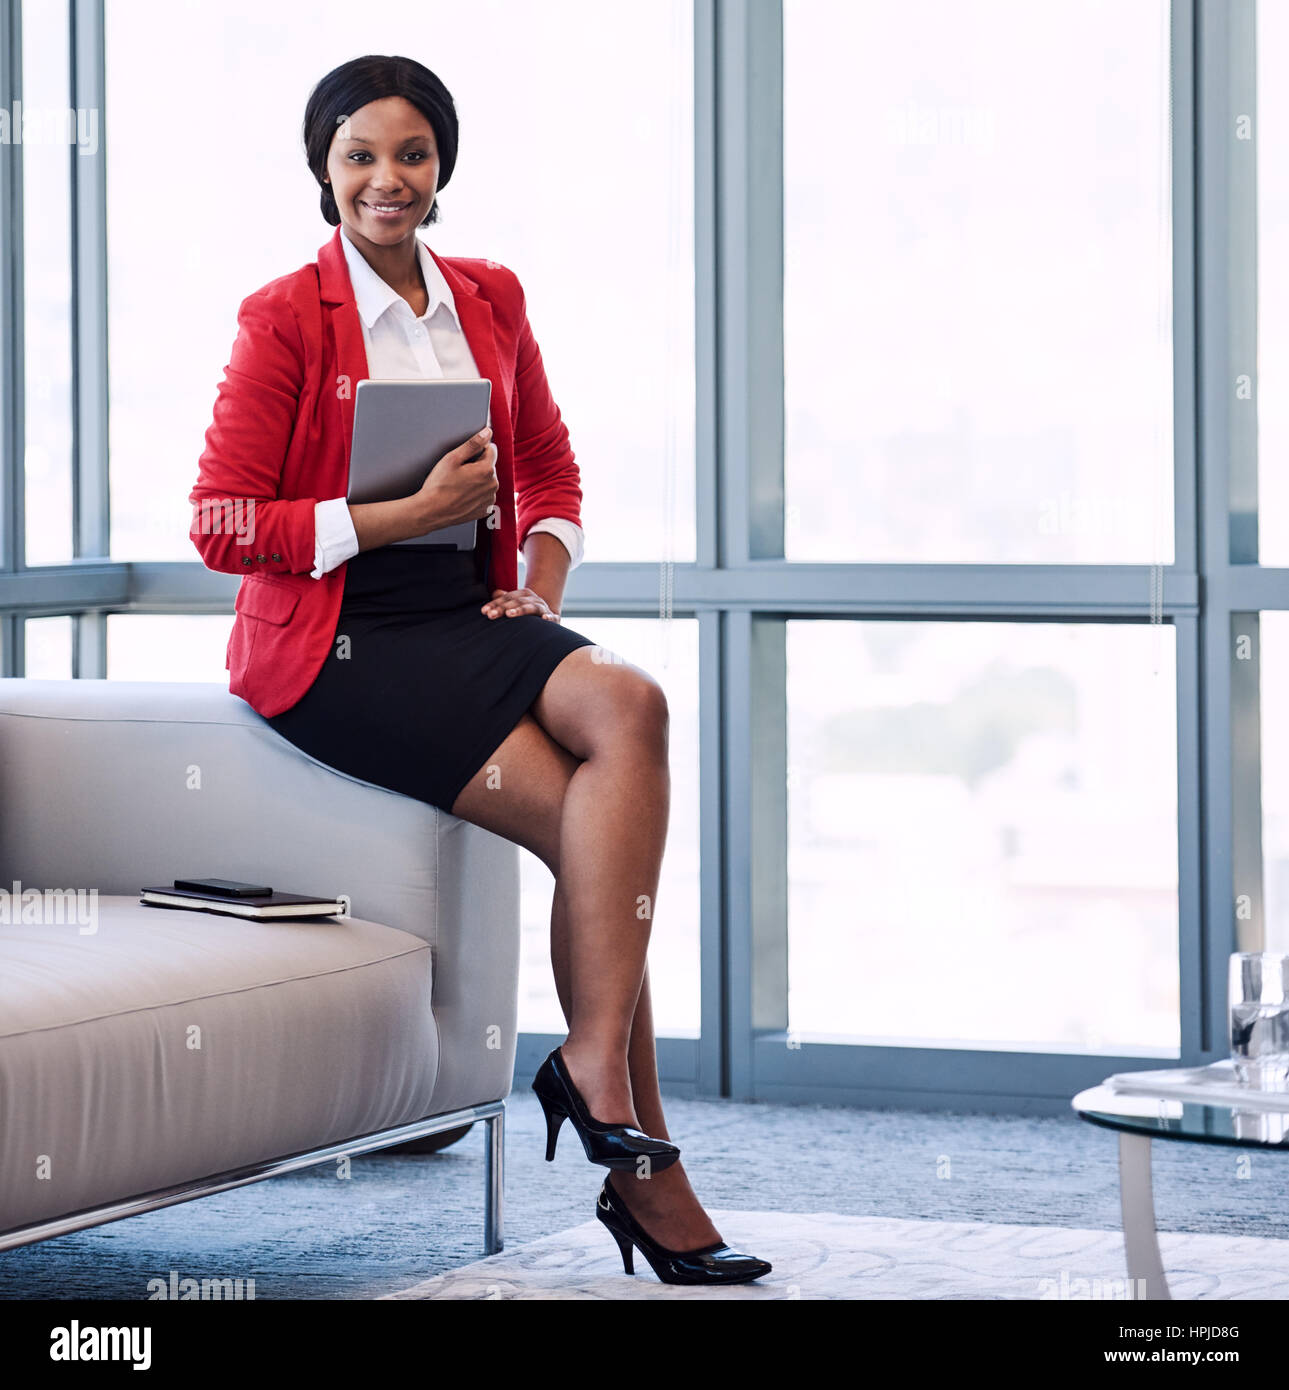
(462, 486)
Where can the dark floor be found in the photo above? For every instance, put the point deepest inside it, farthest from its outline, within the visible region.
(399, 1219)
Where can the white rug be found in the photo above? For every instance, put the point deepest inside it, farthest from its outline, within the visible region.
(819, 1256)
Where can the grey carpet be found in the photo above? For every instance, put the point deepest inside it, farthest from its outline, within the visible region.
(401, 1219)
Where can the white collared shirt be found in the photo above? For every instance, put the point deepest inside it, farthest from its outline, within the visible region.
(400, 346)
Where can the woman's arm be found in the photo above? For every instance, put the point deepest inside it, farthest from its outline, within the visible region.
(383, 523)
(237, 515)
(462, 486)
(547, 479)
(546, 564)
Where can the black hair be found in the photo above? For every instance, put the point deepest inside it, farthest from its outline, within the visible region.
(351, 86)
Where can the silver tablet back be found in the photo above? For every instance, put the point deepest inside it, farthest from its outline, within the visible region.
(402, 429)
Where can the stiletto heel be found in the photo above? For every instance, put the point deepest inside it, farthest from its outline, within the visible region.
(554, 1118)
(615, 1146)
(628, 1251)
(710, 1264)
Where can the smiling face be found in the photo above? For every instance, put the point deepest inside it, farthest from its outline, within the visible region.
(383, 167)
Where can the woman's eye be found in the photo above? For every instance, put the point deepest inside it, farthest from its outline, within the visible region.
(355, 154)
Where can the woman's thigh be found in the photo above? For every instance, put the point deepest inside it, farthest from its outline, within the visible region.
(519, 792)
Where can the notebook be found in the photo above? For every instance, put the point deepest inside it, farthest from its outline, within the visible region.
(261, 908)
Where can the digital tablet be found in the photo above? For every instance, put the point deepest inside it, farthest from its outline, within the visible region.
(402, 429)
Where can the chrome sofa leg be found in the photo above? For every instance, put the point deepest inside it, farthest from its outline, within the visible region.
(494, 1182)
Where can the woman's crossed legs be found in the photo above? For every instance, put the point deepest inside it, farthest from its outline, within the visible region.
(582, 782)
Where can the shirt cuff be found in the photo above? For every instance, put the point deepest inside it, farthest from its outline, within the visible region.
(569, 533)
(335, 539)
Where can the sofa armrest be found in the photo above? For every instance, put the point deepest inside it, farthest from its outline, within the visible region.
(111, 785)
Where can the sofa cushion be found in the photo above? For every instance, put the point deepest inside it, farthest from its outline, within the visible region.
(162, 1045)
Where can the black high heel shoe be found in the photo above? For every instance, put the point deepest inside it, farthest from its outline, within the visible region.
(710, 1264)
(616, 1146)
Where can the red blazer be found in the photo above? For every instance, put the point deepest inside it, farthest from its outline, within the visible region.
(280, 439)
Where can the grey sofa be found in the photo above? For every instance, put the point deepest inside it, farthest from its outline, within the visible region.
(152, 1055)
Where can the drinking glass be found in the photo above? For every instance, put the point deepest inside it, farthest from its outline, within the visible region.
(1260, 1019)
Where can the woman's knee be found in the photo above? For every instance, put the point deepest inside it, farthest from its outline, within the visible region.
(597, 703)
(636, 710)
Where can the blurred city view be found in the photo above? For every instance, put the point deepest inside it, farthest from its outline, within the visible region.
(983, 834)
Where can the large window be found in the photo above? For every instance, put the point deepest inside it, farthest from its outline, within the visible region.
(977, 281)
(926, 367)
(575, 168)
(47, 280)
(1272, 399)
(1274, 673)
(983, 834)
(49, 648)
(167, 647)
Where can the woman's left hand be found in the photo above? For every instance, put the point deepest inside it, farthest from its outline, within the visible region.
(511, 603)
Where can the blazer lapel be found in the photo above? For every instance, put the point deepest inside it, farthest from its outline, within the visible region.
(337, 294)
(476, 322)
(476, 316)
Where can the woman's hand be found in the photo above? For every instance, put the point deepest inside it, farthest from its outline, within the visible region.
(462, 486)
(511, 603)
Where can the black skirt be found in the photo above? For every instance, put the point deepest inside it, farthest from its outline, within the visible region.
(420, 688)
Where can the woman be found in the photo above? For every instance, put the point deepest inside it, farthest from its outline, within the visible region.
(431, 671)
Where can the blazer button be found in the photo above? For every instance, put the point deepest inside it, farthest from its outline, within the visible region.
(260, 558)
(277, 557)
(246, 559)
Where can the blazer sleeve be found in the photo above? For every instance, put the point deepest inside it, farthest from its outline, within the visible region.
(547, 479)
(237, 513)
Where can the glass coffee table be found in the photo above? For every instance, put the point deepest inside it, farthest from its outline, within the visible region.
(1140, 1119)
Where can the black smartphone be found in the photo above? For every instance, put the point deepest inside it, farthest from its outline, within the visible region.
(223, 887)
